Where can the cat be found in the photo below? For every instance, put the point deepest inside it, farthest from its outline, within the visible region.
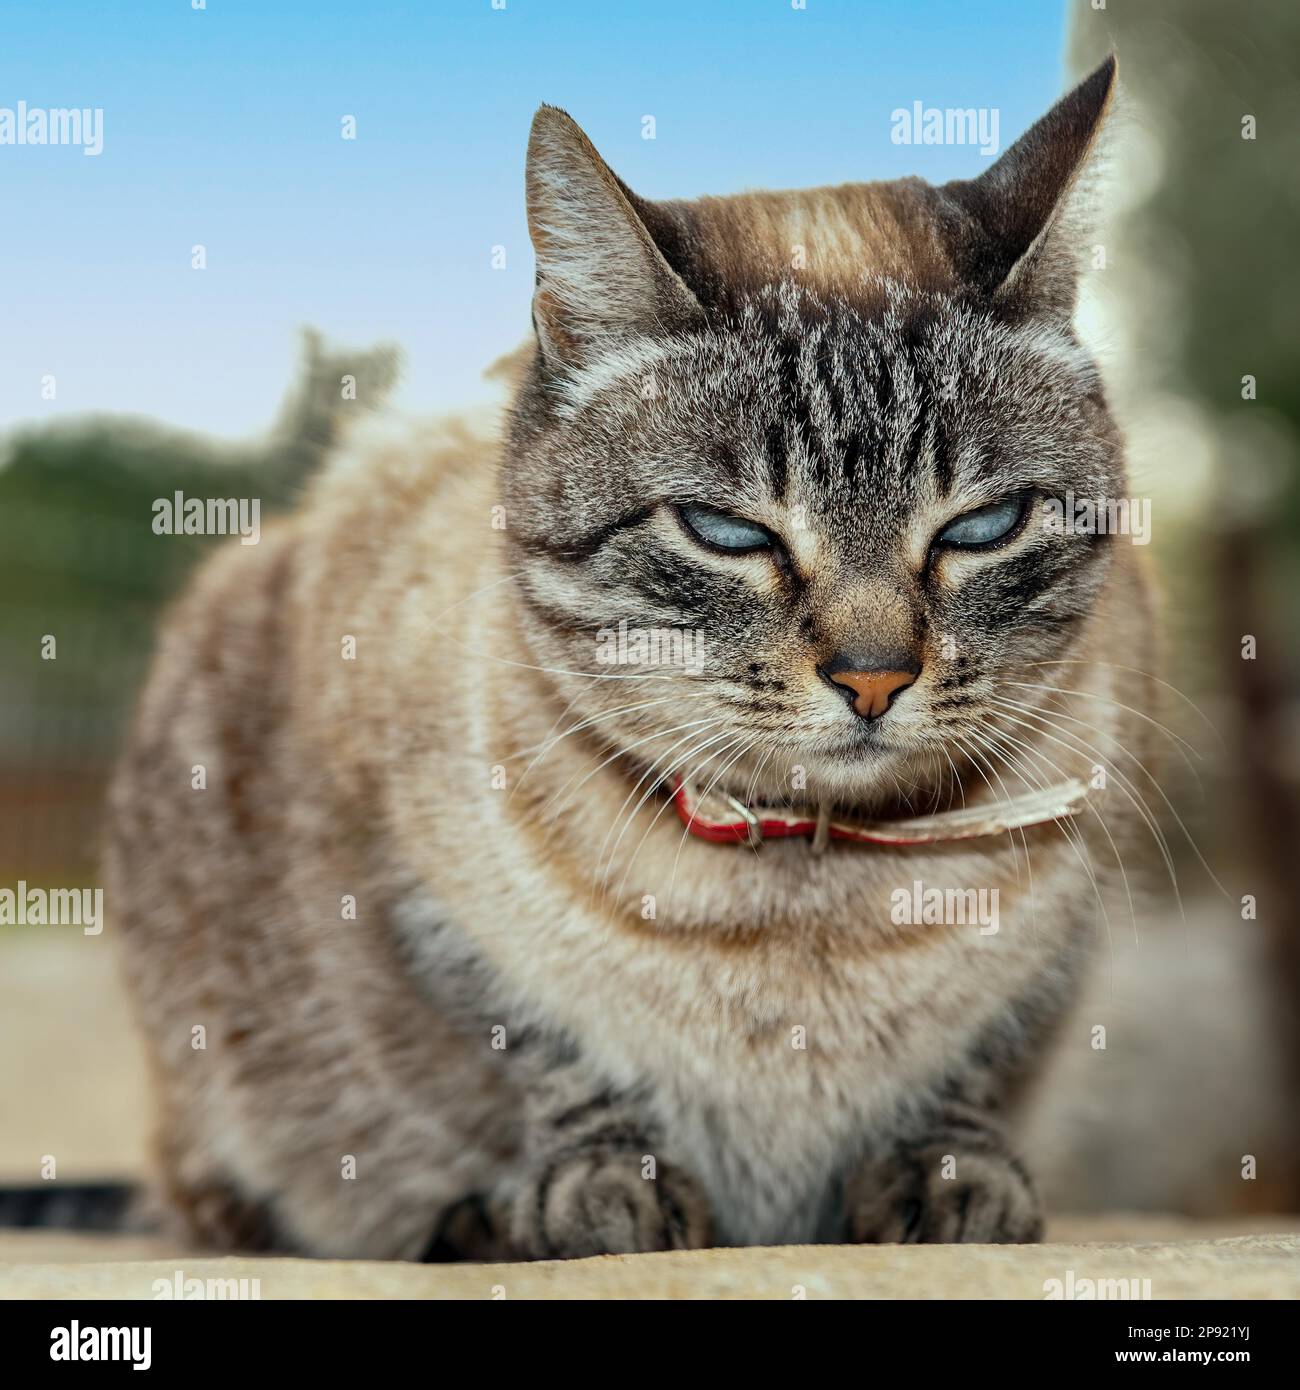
(427, 962)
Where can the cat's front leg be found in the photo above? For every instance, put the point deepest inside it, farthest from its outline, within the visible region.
(958, 1181)
(593, 1184)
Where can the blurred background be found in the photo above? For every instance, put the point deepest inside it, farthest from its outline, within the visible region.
(400, 257)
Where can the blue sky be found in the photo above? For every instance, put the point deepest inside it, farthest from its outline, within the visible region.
(222, 128)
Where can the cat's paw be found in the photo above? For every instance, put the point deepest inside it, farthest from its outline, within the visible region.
(938, 1195)
(596, 1202)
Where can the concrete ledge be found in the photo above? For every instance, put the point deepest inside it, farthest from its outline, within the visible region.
(49, 1266)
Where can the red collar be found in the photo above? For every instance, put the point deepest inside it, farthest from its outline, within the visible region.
(713, 815)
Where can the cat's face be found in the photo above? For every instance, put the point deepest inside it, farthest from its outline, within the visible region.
(722, 515)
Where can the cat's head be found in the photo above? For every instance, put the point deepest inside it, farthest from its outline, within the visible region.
(775, 475)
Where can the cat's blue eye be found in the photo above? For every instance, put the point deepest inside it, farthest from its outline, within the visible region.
(723, 531)
(985, 526)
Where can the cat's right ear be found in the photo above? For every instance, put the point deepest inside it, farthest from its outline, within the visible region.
(1030, 215)
(601, 280)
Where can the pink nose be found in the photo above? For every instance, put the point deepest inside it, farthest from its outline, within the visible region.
(873, 690)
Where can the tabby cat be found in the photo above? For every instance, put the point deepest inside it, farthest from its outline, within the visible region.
(428, 963)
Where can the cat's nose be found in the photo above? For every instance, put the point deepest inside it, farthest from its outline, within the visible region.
(872, 692)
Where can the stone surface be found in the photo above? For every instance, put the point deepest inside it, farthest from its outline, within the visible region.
(49, 1265)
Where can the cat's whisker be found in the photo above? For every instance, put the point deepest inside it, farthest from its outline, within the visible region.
(939, 778)
(1052, 716)
(1039, 757)
(1052, 713)
(1169, 806)
(976, 760)
(553, 740)
(729, 739)
(1147, 675)
(757, 773)
(745, 745)
(1182, 745)
(1053, 769)
(957, 782)
(1135, 797)
(626, 821)
(611, 758)
(678, 771)
(1169, 733)
(478, 593)
(655, 775)
(1078, 844)
(676, 674)
(1029, 873)
(555, 724)
(543, 750)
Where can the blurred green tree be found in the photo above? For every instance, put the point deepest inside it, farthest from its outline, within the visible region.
(80, 562)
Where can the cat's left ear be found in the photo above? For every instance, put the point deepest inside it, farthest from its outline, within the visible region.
(1030, 214)
(601, 279)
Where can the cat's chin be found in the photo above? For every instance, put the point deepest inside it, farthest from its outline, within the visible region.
(869, 775)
